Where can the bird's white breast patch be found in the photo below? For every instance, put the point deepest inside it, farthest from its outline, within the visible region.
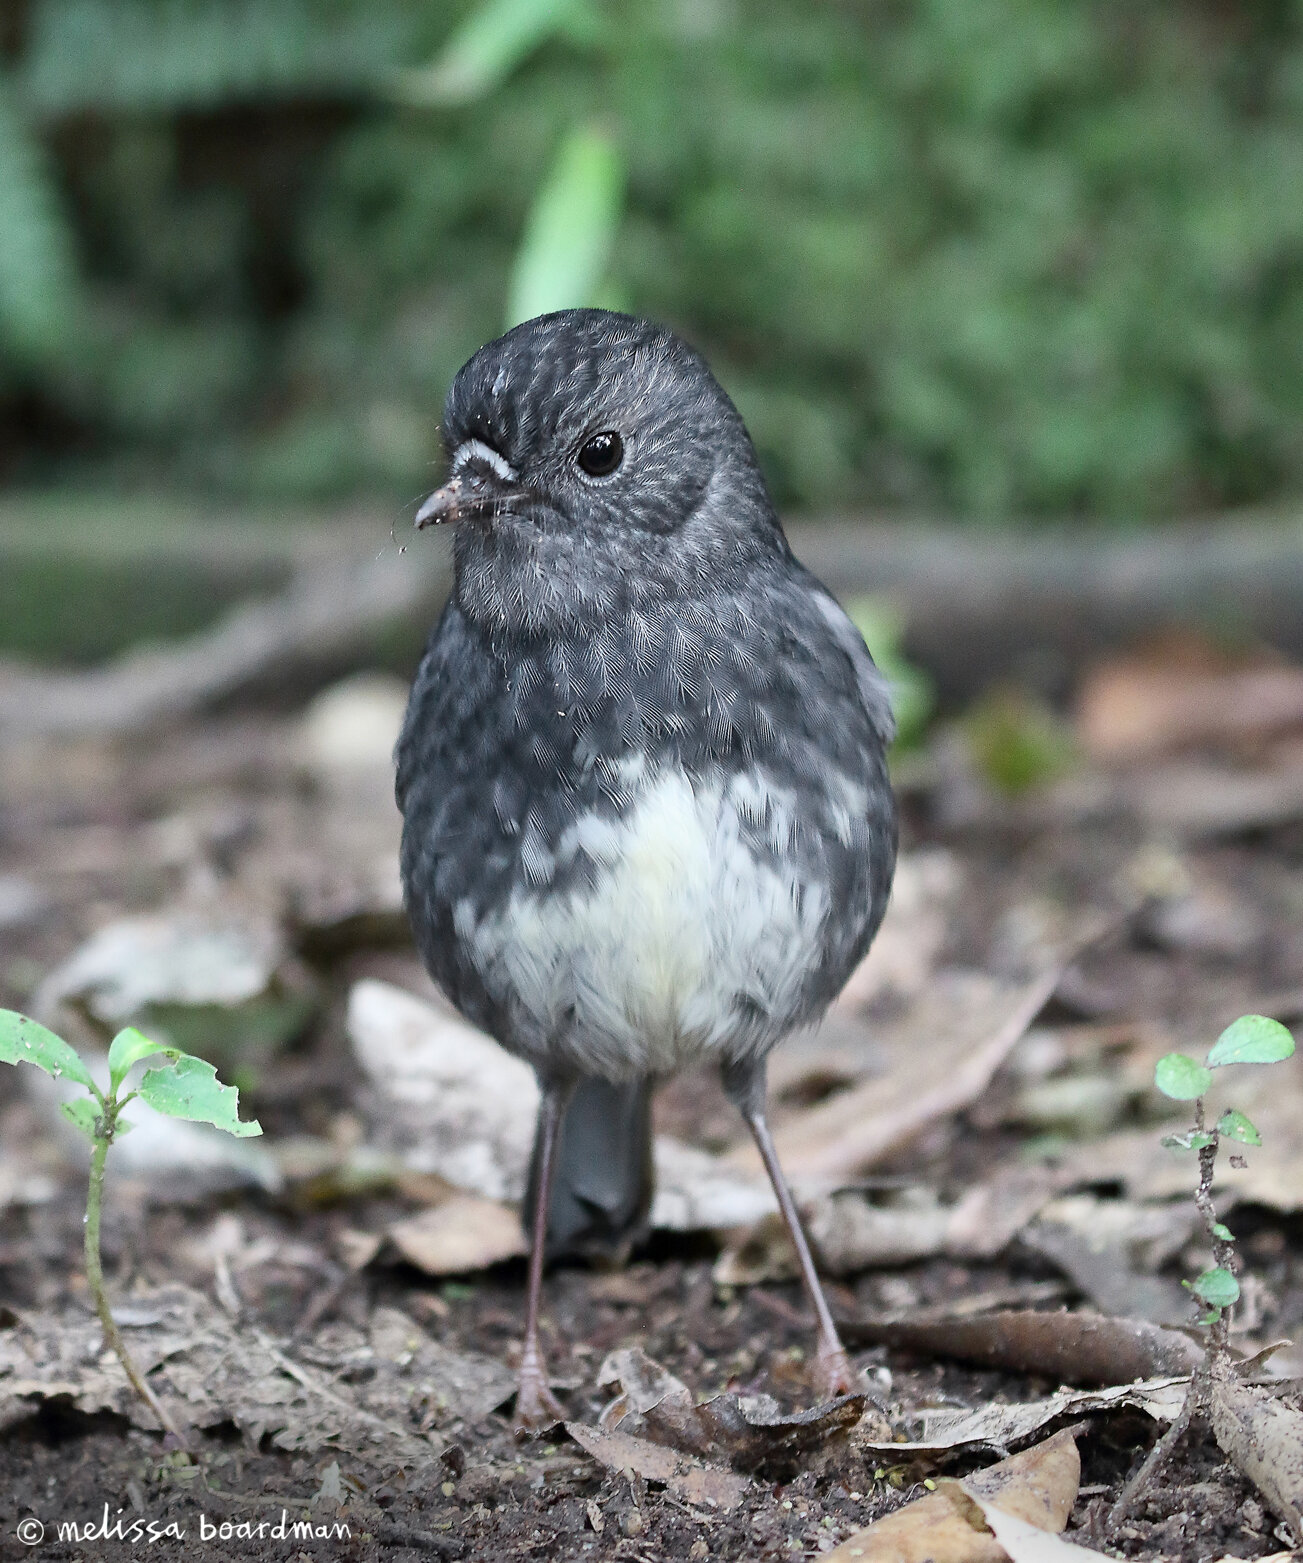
(687, 944)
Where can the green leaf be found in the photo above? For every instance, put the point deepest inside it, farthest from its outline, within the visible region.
(1252, 1039)
(913, 695)
(492, 41)
(189, 1088)
(1235, 1126)
(1218, 1288)
(83, 1114)
(127, 1049)
(23, 1041)
(38, 289)
(1224, 1232)
(1193, 1140)
(570, 230)
(1017, 742)
(1180, 1077)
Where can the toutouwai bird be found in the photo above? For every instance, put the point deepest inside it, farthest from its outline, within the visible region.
(647, 820)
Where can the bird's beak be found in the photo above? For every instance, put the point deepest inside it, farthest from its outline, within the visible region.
(482, 485)
(448, 503)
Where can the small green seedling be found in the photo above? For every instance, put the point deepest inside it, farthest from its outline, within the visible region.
(175, 1084)
(1252, 1039)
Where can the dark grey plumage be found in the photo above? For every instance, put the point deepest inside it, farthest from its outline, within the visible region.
(643, 775)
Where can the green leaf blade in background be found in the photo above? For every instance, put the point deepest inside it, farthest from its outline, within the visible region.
(189, 1088)
(913, 694)
(570, 231)
(1181, 1078)
(39, 295)
(24, 1041)
(492, 41)
(1252, 1039)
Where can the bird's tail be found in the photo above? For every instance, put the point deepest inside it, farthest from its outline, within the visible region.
(603, 1188)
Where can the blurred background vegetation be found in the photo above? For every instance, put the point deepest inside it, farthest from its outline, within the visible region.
(984, 258)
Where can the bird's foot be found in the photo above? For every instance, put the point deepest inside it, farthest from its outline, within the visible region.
(833, 1371)
(537, 1408)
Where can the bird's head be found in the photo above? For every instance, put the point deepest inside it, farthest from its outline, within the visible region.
(582, 446)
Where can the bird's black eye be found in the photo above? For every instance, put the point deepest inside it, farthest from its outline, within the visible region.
(601, 455)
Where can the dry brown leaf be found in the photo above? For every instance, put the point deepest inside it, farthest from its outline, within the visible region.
(1027, 1543)
(906, 949)
(463, 1232)
(971, 1023)
(1200, 799)
(1109, 1248)
(1264, 1439)
(1069, 1348)
(688, 1479)
(1000, 1426)
(751, 1430)
(224, 956)
(1038, 1486)
(1142, 706)
(449, 1099)
(859, 1229)
(696, 1191)
(210, 1371)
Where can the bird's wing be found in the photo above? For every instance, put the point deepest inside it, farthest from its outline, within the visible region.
(874, 691)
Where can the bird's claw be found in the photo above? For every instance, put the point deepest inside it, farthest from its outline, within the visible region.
(537, 1408)
(834, 1372)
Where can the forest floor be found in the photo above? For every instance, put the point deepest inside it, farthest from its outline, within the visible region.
(334, 1309)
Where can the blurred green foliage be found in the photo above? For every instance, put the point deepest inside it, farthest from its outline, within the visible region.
(1017, 741)
(913, 694)
(991, 257)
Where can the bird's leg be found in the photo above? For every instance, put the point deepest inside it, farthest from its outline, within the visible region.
(745, 1084)
(537, 1408)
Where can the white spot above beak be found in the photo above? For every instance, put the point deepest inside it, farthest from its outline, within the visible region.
(477, 450)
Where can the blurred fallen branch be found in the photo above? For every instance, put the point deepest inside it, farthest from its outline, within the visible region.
(331, 611)
(981, 606)
(1070, 1348)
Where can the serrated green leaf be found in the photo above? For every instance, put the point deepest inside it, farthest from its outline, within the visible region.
(1217, 1287)
(1180, 1077)
(126, 1050)
(83, 1114)
(1235, 1126)
(492, 41)
(23, 1041)
(1252, 1039)
(1221, 1230)
(570, 230)
(189, 1088)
